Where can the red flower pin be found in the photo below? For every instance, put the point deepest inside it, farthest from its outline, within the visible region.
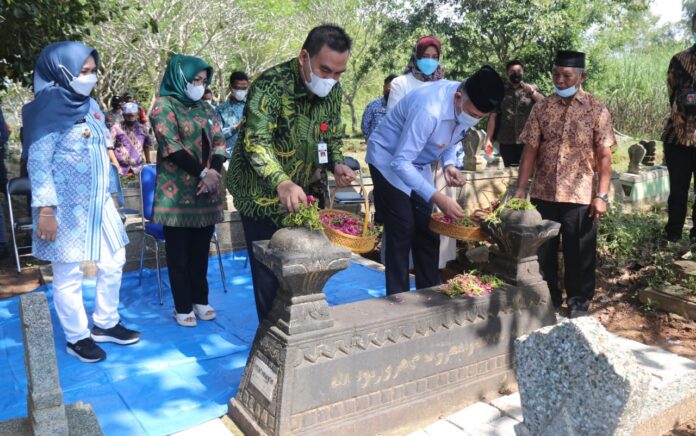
(97, 116)
(323, 127)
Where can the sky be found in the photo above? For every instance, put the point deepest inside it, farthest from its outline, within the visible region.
(669, 11)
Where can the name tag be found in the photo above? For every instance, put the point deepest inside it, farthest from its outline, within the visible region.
(323, 153)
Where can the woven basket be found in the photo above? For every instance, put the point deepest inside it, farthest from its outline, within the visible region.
(356, 244)
(456, 231)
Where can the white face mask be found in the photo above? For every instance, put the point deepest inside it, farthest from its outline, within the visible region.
(319, 87)
(465, 120)
(82, 85)
(194, 92)
(239, 94)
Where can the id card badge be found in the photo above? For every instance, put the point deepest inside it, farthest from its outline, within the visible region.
(323, 152)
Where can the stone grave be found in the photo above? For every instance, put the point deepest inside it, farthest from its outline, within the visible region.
(386, 364)
(644, 184)
(47, 414)
(576, 378)
(474, 140)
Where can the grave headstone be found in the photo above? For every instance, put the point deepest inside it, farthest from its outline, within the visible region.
(650, 150)
(474, 140)
(636, 153)
(576, 378)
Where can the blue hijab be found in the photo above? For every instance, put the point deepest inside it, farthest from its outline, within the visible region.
(56, 106)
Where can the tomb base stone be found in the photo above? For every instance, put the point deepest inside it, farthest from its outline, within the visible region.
(382, 365)
(643, 190)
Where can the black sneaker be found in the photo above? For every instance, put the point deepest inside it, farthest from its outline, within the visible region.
(86, 350)
(117, 334)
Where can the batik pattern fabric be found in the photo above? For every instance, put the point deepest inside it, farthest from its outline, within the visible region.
(129, 146)
(512, 114)
(195, 129)
(230, 114)
(69, 171)
(278, 140)
(374, 112)
(567, 135)
(681, 85)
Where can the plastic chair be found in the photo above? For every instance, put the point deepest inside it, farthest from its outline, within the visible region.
(155, 232)
(349, 197)
(19, 186)
(116, 188)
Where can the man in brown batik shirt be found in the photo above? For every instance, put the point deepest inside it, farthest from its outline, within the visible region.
(567, 137)
(679, 138)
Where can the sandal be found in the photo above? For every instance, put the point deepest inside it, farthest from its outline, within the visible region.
(204, 311)
(185, 319)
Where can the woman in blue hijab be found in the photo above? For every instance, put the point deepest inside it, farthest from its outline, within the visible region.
(75, 219)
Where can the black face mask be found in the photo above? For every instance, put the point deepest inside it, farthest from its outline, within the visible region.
(129, 123)
(386, 96)
(515, 78)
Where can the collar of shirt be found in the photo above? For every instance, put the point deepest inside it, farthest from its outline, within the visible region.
(300, 90)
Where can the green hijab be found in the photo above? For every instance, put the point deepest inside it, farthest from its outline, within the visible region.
(173, 83)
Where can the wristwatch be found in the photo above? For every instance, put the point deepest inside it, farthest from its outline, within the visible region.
(603, 196)
(203, 173)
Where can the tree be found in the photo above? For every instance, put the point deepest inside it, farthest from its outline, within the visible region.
(135, 50)
(26, 27)
(478, 32)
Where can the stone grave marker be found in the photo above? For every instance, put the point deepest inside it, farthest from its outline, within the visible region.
(576, 378)
(386, 364)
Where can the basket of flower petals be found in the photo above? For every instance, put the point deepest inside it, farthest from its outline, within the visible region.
(349, 230)
(465, 229)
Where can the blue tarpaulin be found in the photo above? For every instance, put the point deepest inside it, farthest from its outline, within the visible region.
(175, 377)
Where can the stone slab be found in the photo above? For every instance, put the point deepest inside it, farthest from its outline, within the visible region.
(577, 376)
(474, 416)
(502, 426)
(669, 303)
(44, 394)
(214, 427)
(510, 406)
(16, 427)
(443, 427)
(82, 421)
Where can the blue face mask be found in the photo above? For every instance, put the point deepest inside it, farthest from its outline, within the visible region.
(427, 66)
(568, 92)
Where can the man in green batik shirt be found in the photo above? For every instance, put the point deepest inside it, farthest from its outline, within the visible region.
(291, 128)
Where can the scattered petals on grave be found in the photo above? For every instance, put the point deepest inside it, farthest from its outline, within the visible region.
(471, 284)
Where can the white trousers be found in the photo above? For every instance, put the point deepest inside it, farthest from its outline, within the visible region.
(67, 293)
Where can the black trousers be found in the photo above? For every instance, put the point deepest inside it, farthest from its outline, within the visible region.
(265, 282)
(511, 153)
(406, 220)
(187, 260)
(579, 234)
(681, 164)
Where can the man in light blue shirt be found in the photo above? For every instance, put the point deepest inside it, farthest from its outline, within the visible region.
(231, 112)
(423, 127)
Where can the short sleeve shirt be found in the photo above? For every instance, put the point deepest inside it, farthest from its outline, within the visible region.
(567, 135)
